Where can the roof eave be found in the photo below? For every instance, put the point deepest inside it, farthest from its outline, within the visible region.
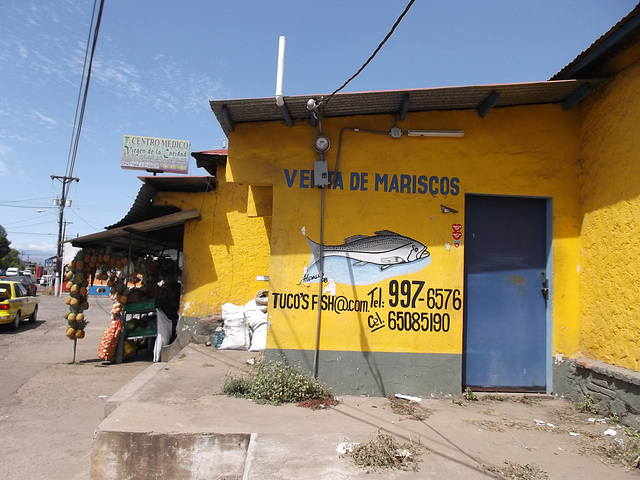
(622, 35)
(397, 102)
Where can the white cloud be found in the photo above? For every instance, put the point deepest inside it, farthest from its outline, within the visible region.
(162, 84)
(118, 76)
(10, 166)
(22, 51)
(5, 153)
(38, 252)
(38, 248)
(44, 119)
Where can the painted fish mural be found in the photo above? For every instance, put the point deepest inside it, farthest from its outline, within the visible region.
(385, 248)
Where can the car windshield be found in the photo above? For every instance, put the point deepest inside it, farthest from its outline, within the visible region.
(5, 290)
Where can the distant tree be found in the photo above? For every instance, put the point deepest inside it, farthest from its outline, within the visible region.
(4, 242)
(11, 259)
(5, 248)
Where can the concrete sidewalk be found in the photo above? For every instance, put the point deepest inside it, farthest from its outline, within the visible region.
(173, 422)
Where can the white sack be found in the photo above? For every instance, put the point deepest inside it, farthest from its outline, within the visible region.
(236, 330)
(236, 338)
(259, 338)
(232, 314)
(262, 299)
(254, 314)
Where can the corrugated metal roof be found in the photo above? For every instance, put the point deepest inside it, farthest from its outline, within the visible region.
(231, 112)
(143, 209)
(151, 228)
(189, 184)
(620, 37)
(221, 152)
(150, 236)
(210, 159)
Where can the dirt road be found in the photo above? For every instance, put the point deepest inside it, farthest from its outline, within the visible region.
(49, 406)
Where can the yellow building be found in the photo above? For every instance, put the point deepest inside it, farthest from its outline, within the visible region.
(478, 236)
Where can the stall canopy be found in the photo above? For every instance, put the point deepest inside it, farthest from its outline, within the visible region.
(147, 228)
(148, 237)
(152, 229)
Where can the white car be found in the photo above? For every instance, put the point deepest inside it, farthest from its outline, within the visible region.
(45, 280)
(11, 271)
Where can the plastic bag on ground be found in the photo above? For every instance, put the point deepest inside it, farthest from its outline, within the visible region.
(164, 327)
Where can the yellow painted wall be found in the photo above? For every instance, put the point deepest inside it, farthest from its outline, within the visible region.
(224, 251)
(609, 247)
(529, 151)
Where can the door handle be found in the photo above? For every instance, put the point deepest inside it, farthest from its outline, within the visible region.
(545, 289)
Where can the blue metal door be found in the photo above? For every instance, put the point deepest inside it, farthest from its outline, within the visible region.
(506, 291)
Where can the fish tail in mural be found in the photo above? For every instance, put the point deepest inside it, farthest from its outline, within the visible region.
(315, 252)
(361, 258)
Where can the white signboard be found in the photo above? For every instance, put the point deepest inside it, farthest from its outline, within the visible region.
(155, 154)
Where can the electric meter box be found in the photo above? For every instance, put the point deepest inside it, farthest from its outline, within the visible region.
(320, 173)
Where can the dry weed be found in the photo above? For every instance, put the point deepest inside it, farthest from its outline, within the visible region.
(411, 410)
(530, 471)
(384, 451)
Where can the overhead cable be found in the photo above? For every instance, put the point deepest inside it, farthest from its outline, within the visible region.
(84, 93)
(395, 25)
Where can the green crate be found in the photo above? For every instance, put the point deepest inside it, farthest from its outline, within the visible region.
(145, 332)
(140, 306)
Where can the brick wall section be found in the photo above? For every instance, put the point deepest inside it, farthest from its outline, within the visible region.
(615, 389)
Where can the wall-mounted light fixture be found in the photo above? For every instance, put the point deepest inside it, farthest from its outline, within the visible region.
(446, 209)
(435, 133)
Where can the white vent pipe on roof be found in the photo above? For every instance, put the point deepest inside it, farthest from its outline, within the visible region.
(280, 74)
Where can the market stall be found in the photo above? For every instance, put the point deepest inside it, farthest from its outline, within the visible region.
(137, 262)
(145, 294)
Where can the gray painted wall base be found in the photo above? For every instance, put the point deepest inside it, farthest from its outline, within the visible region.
(191, 330)
(615, 389)
(380, 373)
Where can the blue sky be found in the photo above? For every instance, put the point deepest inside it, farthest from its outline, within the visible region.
(158, 62)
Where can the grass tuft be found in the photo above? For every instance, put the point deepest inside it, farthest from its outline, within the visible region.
(276, 383)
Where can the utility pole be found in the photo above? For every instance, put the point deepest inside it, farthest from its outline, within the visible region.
(66, 181)
(22, 255)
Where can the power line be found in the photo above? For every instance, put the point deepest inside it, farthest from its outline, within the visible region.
(26, 223)
(30, 233)
(75, 213)
(68, 178)
(387, 37)
(25, 200)
(82, 98)
(23, 206)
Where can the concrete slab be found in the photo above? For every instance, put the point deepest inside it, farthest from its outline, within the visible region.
(175, 416)
(156, 455)
(126, 392)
